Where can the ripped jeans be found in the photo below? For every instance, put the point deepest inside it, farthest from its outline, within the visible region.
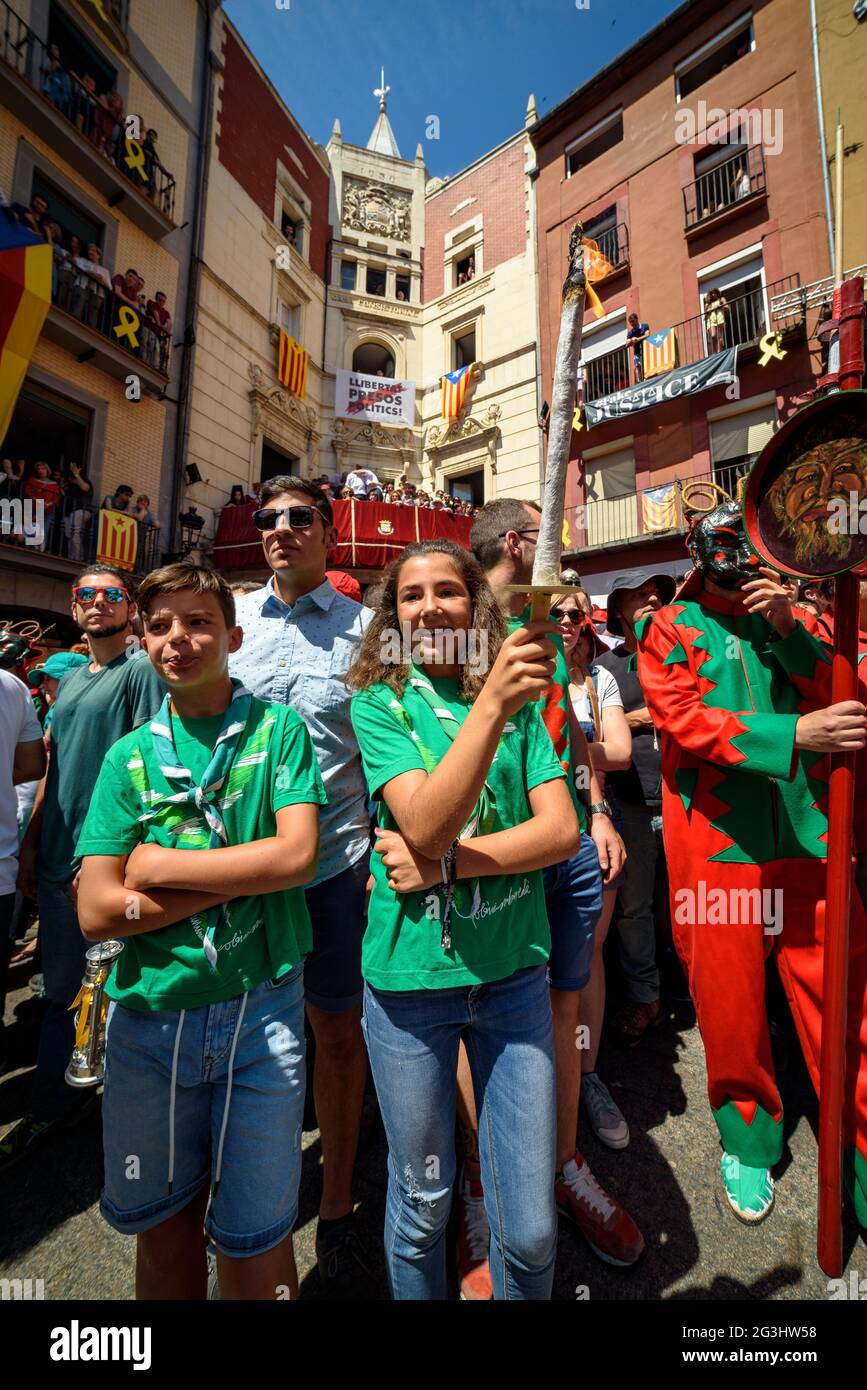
(412, 1038)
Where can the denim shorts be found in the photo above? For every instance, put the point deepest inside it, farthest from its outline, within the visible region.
(332, 971)
(573, 898)
(230, 1121)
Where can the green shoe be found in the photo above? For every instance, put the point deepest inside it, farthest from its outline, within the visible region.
(750, 1190)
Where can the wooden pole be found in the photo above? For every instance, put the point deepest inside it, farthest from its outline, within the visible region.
(844, 686)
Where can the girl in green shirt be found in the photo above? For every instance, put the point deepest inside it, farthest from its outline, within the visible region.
(473, 805)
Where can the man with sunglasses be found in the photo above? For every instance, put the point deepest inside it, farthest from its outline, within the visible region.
(115, 692)
(299, 639)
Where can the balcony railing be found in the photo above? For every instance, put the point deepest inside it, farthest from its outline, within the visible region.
(22, 50)
(613, 244)
(92, 303)
(606, 374)
(731, 182)
(746, 319)
(655, 511)
(70, 534)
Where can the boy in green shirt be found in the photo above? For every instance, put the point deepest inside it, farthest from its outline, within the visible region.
(205, 1044)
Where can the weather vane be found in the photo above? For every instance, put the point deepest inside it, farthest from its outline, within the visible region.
(381, 91)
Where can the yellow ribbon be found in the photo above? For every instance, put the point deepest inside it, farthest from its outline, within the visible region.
(135, 157)
(577, 422)
(128, 326)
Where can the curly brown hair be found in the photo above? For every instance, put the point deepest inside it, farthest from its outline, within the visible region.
(369, 668)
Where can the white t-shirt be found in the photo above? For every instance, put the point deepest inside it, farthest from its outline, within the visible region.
(18, 724)
(607, 694)
(361, 480)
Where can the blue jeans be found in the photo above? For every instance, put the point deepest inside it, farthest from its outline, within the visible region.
(213, 1095)
(412, 1038)
(63, 948)
(573, 900)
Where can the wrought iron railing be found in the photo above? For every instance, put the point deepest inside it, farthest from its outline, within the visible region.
(649, 512)
(727, 183)
(746, 318)
(70, 531)
(22, 50)
(124, 324)
(613, 243)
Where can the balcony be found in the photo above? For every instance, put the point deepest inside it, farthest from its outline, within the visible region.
(93, 324)
(613, 244)
(68, 543)
(52, 103)
(652, 513)
(748, 317)
(728, 188)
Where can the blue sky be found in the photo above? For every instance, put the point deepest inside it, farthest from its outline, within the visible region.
(472, 64)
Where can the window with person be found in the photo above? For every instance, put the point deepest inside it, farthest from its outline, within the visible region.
(700, 67)
(375, 280)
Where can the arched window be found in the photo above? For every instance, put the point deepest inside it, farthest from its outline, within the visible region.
(373, 359)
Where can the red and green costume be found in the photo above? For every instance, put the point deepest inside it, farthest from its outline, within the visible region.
(743, 809)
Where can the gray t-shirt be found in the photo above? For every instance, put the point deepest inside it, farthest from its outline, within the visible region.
(92, 711)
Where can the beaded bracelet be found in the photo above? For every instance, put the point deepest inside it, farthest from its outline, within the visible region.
(449, 870)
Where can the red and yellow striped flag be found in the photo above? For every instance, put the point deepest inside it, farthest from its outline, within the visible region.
(292, 368)
(25, 298)
(455, 386)
(117, 541)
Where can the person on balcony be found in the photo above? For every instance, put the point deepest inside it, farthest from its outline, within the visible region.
(77, 501)
(142, 512)
(40, 487)
(741, 185)
(67, 270)
(158, 331)
(715, 310)
(55, 80)
(120, 500)
(637, 333)
(90, 287)
(107, 124)
(84, 102)
(361, 480)
(239, 498)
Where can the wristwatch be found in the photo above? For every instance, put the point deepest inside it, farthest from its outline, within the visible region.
(600, 808)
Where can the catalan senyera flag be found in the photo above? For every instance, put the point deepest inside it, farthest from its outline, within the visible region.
(659, 508)
(292, 368)
(117, 539)
(659, 352)
(455, 386)
(25, 298)
(596, 267)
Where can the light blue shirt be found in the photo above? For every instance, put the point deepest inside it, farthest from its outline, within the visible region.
(296, 656)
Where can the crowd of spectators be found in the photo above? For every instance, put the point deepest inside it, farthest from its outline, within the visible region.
(86, 288)
(100, 116)
(363, 485)
(58, 505)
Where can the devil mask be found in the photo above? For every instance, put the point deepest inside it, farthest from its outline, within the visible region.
(719, 548)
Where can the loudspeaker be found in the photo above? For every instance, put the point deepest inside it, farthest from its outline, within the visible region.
(192, 474)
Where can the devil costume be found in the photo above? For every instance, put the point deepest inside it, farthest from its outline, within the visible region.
(745, 830)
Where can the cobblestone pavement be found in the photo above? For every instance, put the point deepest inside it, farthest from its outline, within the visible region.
(668, 1178)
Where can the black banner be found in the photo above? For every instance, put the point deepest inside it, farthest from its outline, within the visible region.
(719, 370)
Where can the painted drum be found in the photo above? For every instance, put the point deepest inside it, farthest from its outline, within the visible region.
(805, 504)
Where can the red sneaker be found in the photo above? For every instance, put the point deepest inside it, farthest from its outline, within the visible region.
(608, 1229)
(474, 1238)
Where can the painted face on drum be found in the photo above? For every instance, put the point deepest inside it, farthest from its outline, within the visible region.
(719, 547)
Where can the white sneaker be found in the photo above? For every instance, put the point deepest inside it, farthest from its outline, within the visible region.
(606, 1120)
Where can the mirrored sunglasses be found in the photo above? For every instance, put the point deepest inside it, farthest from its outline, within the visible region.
(87, 594)
(299, 518)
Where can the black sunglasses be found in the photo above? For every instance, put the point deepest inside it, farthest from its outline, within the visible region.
(518, 530)
(575, 615)
(299, 518)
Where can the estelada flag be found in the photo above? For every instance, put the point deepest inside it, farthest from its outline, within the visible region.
(292, 368)
(454, 388)
(25, 298)
(117, 539)
(660, 352)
